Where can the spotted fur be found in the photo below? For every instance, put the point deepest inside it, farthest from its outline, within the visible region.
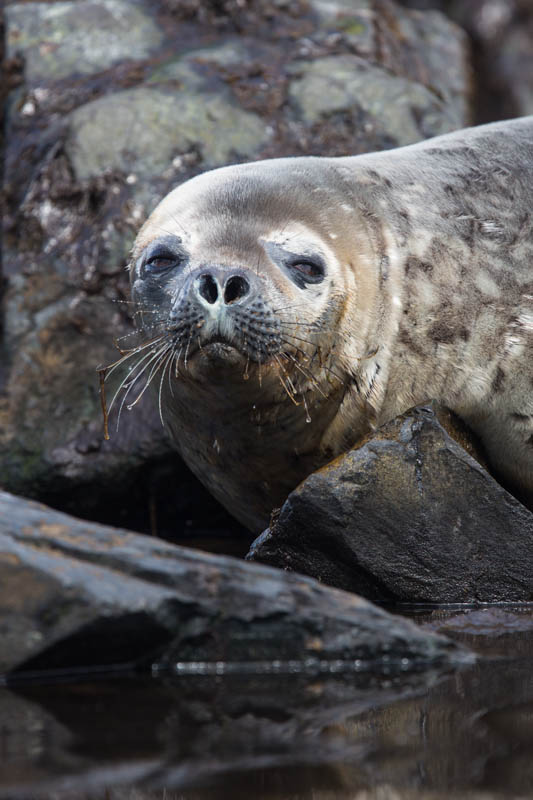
(428, 293)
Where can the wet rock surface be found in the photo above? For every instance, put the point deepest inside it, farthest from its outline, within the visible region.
(75, 594)
(410, 515)
(101, 121)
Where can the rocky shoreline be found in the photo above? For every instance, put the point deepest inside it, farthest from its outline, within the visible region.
(111, 103)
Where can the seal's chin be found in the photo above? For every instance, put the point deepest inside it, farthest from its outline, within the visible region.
(219, 353)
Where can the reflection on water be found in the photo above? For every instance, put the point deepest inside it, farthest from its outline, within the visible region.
(467, 734)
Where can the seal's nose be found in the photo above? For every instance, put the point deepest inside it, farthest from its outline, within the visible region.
(208, 288)
(214, 288)
(235, 288)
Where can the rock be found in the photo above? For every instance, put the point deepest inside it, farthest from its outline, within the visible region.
(58, 40)
(75, 594)
(409, 515)
(106, 119)
(394, 110)
(425, 48)
(119, 132)
(501, 32)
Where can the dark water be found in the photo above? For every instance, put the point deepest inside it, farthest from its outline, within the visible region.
(363, 737)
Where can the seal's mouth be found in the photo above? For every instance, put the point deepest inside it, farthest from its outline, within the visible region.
(219, 349)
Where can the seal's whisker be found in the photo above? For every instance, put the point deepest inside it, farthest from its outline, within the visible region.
(305, 341)
(166, 359)
(286, 382)
(313, 325)
(169, 233)
(128, 389)
(112, 367)
(187, 351)
(125, 336)
(332, 372)
(323, 366)
(131, 371)
(306, 373)
(123, 300)
(125, 354)
(133, 375)
(138, 310)
(302, 355)
(307, 414)
(169, 373)
(178, 223)
(299, 338)
(176, 362)
(155, 367)
(129, 335)
(290, 307)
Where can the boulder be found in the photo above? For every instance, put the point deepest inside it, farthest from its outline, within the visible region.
(106, 119)
(410, 515)
(79, 595)
(501, 32)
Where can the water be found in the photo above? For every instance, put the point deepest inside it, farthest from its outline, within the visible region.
(327, 736)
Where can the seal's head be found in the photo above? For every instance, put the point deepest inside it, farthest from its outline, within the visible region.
(242, 278)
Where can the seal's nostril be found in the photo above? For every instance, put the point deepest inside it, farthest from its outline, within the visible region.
(236, 287)
(208, 288)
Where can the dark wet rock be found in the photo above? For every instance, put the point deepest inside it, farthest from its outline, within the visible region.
(106, 119)
(409, 515)
(75, 594)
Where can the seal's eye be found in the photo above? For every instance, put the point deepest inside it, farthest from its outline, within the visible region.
(161, 261)
(306, 270)
(310, 270)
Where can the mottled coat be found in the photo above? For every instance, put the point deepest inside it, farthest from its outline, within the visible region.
(361, 286)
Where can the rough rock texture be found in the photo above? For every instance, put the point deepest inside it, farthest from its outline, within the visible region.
(330, 87)
(75, 594)
(105, 119)
(54, 37)
(409, 515)
(502, 37)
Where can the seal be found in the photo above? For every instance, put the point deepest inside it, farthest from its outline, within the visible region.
(289, 307)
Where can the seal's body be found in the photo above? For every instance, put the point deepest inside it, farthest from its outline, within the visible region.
(295, 304)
